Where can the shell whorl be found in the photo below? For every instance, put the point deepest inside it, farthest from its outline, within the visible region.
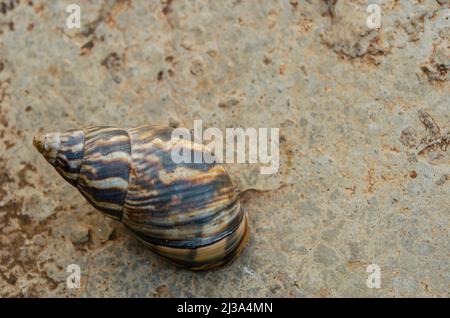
(188, 213)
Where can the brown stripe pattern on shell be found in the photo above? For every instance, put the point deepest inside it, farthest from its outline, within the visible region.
(188, 213)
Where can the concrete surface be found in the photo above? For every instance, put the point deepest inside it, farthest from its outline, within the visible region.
(364, 117)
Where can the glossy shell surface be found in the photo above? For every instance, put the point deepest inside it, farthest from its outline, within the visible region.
(189, 213)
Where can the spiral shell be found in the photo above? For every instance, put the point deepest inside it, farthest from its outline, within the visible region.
(189, 213)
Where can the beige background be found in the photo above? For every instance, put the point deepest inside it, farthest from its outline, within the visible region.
(364, 176)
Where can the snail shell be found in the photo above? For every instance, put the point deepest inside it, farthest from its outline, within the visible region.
(188, 213)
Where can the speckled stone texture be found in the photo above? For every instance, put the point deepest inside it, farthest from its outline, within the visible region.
(364, 118)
